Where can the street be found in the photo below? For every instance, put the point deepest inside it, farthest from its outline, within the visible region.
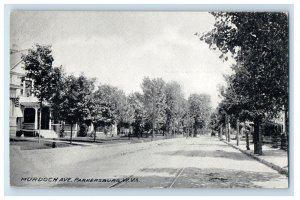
(204, 162)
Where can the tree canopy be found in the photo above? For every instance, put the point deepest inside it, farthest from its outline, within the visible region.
(259, 44)
(160, 108)
(154, 102)
(38, 66)
(258, 41)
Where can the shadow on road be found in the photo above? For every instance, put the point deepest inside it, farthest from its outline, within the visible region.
(275, 153)
(213, 154)
(189, 178)
(200, 178)
(207, 145)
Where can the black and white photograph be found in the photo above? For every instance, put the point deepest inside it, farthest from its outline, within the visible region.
(149, 99)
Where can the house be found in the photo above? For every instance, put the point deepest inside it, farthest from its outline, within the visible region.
(24, 106)
(24, 117)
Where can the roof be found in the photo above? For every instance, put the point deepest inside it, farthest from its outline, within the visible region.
(30, 104)
(17, 73)
(16, 63)
(15, 86)
(33, 104)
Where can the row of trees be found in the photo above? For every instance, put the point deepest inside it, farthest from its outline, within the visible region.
(160, 108)
(258, 89)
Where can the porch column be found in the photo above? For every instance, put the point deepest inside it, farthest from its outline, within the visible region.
(24, 89)
(36, 118)
(76, 128)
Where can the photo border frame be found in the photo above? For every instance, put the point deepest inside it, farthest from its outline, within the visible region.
(19, 191)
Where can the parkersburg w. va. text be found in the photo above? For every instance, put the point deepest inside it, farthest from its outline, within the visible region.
(85, 180)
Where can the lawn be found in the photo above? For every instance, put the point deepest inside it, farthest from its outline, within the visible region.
(116, 139)
(30, 145)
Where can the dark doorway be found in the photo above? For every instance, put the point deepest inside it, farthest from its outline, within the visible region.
(29, 115)
(45, 118)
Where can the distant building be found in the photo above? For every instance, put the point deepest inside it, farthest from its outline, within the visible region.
(281, 120)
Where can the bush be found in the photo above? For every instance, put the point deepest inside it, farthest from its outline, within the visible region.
(62, 132)
(83, 129)
(19, 133)
(272, 129)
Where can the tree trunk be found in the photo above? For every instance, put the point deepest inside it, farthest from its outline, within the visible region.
(71, 134)
(153, 126)
(247, 139)
(221, 131)
(286, 113)
(229, 129)
(257, 136)
(138, 133)
(286, 123)
(237, 132)
(40, 121)
(226, 127)
(105, 130)
(95, 129)
(260, 139)
(118, 129)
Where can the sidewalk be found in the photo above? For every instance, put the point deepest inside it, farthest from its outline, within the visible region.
(51, 140)
(272, 157)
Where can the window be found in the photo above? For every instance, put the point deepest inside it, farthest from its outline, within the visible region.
(13, 93)
(28, 88)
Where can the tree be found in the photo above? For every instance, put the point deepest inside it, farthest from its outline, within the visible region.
(85, 90)
(154, 102)
(259, 44)
(135, 101)
(174, 109)
(76, 99)
(125, 113)
(38, 65)
(186, 119)
(58, 80)
(199, 109)
(214, 121)
(104, 106)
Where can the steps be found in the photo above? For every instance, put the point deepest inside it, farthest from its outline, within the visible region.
(48, 134)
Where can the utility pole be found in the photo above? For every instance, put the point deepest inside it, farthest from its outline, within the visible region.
(247, 137)
(226, 127)
(226, 135)
(229, 128)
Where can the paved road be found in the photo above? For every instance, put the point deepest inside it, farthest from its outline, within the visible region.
(203, 162)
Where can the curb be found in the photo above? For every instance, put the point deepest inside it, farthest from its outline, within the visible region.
(252, 155)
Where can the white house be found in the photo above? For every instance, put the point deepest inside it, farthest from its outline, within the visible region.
(24, 106)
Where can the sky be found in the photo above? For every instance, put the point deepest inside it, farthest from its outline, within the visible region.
(121, 48)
